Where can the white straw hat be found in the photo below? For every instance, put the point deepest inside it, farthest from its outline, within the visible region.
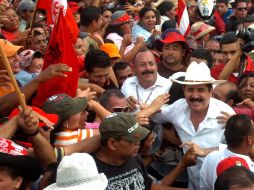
(78, 171)
(198, 73)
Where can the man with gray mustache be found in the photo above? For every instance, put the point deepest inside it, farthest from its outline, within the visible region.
(141, 89)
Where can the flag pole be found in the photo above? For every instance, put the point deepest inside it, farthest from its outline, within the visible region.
(6, 63)
(34, 15)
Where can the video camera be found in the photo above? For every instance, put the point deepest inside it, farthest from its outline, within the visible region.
(247, 34)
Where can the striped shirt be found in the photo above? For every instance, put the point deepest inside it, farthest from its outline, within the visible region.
(68, 137)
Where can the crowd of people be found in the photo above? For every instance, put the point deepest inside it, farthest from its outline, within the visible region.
(154, 108)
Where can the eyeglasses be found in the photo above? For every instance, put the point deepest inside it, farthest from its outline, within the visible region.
(242, 9)
(121, 109)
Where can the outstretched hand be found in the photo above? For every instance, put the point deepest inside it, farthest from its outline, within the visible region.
(53, 71)
(224, 117)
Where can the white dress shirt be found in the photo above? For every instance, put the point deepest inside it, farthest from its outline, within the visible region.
(131, 87)
(208, 135)
(208, 174)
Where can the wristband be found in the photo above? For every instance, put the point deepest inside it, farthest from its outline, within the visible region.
(34, 133)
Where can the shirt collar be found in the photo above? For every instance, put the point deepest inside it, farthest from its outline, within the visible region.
(158, 82)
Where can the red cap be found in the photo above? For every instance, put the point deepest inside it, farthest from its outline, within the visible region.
(230, 162)
(169, 36)
(54, 118)
(74, 7)
(9, 147)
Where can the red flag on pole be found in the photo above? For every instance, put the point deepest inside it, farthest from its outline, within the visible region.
(60, 50)
(52, 7)
(183, 18)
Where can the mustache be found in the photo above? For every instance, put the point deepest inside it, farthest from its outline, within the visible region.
(196, 99)
(147, 72)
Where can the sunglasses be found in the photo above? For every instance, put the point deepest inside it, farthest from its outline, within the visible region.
(242, 9)
(121, 109)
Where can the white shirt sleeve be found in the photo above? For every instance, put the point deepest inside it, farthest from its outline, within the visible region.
(206, 175)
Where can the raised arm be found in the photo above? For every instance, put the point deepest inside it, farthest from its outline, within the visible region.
(41, 147)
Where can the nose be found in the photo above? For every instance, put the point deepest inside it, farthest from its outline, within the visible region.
(195, 94)
(248, 88)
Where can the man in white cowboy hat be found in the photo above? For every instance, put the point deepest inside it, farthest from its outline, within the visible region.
(195, 118)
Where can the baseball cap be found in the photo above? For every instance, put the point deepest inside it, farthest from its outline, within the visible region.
(111, 49)
(25, 5)
(64, 105)
(119, 17)
(122, 125)
(54, 118)
(14, 155)
(230, 162)
(170, 36)
(9, 49)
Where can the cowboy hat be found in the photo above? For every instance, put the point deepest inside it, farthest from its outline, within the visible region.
(198, 73)
(199, 29)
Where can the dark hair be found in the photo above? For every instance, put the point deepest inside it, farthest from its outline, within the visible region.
(109, 41)
(38, 25)
(164, 7)
(238, 127)
(232, 94)
(106, 95)
(105, 138)
(89, 14)
(119, 66)
(145, 10)
(222, 1)
(228, 38)
(168, 24)
(234, 5)
(96, 58)
(203, 54)
(37, 33)
(14, 173)
(237, 176)
(114, 29)
(213, 40)
(244, 76)
(104, 9)
(37, 55)
(176, 91)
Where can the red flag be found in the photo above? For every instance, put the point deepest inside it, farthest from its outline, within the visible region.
(60, 50)
(183, 18)
(52, 7)
(46, 5)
